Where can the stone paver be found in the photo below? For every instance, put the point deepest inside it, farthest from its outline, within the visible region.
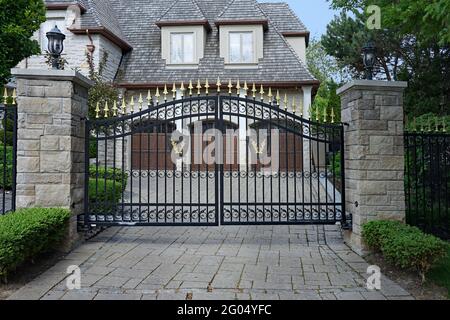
(242, 263)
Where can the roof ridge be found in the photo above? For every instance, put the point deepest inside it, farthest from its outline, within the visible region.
(254, 2)
(193, 2)
(272, 25)
(225, 8)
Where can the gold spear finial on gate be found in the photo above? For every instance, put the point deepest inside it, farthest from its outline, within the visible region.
(199, 87)
(429, 125)
(174, 91)
(245, 89)
(294, 107)
(182, 89)
(207, 87)
(124, 106)
(14, 97)
(332, 115)
(278, 98)
(157, 95)
(325, 115)
(132, 105)
(285, 101)
(261, 92)
(97, 111)
(270, 95)
(254, 90)
(106, 110)
(191, 87)
(437, 124)
(318, 114)
(230, 87)
(238, 88)
(149, 98)
(115, 109)
(140, 102)
(444, 125)
(165, 92)
(218, 84)
(5, 96)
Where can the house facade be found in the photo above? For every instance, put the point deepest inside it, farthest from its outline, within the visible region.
(153, 44)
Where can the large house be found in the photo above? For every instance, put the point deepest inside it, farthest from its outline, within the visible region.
(151, 43)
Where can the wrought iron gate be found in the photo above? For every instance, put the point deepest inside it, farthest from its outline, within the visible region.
(213, 160)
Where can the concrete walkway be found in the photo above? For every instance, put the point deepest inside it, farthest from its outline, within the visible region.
(264, 262)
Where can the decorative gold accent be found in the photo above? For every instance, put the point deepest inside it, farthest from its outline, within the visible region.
(301, 106)
(14, 97)
(278, 98)
(333, 116)
(149, 98)
(97, 111)
(318, 114)
(191, 87)
(270, 95)
(106, 110)
(230, 87)
(254, 90)
(245, 88)
(261, 92)
(174, 91)
(182, 89)
(444, 125)
(207, 87)
(430, 125)
(238, 88)
(325, 115)
(124, 106)
(199, 87)
(218, 84)
(132, 105)
(115, 109)
(157, 95)
(5, 96)
(259, 149)
(294, 107)
(140, 102)
(165, 92)
(285, 101)
(177, 148)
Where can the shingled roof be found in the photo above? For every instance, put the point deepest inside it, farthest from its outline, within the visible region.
(182, 10)
(283, 17)
(135, 21)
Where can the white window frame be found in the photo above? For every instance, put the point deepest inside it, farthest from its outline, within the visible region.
(241, 46)
(194, 45)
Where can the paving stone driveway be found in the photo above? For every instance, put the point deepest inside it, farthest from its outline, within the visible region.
(259, 263)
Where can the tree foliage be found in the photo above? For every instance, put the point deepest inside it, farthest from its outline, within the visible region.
(19, 19)
(412, 46)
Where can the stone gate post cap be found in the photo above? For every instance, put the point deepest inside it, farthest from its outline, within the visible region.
(61, 75)
(372, 84)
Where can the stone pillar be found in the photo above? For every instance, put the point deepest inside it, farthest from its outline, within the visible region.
(50, 144)
(374, 153)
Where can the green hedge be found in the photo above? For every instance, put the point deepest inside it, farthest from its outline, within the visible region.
(104, 195)
(6, 184)
(404, 246)
(108, 174)
(27, 233)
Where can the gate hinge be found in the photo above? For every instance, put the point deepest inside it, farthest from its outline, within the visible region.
(348, 225)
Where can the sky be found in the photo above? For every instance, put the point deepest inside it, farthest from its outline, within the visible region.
(315, 14)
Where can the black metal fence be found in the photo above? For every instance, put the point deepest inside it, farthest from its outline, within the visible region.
(8, 148)
(427, 180)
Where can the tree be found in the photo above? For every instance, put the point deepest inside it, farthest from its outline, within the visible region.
(411, 47)
(19, 19)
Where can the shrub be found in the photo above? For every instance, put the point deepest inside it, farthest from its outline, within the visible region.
(29, 232)
(404, 246)
(104, 195)
(9, 137)
(93, 149)
(6, 167)
(108, 174)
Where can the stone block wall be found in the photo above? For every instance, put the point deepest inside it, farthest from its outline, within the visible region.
(52, 106)
(374, 153)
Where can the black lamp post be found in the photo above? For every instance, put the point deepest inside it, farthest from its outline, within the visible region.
(55, 45)
(370, 54)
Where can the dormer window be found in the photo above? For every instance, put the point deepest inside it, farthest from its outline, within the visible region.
(182, 48)
(241, 47)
